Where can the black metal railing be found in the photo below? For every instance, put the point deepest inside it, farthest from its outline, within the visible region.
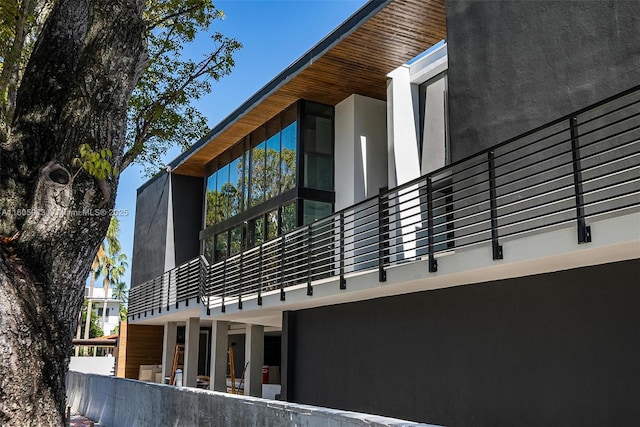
(182, 283)
(566, 173)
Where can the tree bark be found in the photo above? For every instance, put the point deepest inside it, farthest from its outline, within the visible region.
(75, 90)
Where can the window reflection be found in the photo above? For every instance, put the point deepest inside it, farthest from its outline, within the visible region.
(289, 217)
(288, 157)
(263, 166)
(212, 195)
(313, 210)
(236, 240)
(257, 191)
(272, 224)
(221, 246)
(209, 249)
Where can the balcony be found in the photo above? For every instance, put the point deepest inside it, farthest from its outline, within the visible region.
(578, 170)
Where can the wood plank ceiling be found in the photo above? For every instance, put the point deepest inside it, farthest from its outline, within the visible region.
(358, 64)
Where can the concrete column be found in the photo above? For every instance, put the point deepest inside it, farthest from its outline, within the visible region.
(254, 355)
(219, 349)
(168, 347)
(191, 351)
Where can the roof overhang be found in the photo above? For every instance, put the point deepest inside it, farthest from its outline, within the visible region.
(354, 58)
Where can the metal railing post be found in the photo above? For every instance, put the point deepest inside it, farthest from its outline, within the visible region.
(168, 292)
(240, 282)
(309, 258)
(260, 277)
(224, 284)
(433, 263)
(343, 281)
(382, 234)
(493, 202)
(282, 254)
(584, 231)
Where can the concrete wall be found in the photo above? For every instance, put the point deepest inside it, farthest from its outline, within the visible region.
(559, 349)
(150, 233)
(516, 65)
(121, 402)
(93, 365)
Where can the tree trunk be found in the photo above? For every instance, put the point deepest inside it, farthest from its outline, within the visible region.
(75, 91)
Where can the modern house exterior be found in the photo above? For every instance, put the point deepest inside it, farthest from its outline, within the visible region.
(434, 214)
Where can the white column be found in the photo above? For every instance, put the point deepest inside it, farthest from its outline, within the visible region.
(168, 347)
(254, 355)
(219, 349)
(402, 133)
(191, 351)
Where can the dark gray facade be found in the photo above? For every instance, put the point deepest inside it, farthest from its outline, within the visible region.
(158, 244)
(150, 234)
(187, 195)
(558, 349)
(516, 65)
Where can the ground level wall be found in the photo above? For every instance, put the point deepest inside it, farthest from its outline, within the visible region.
(554, 349)
(121, 402)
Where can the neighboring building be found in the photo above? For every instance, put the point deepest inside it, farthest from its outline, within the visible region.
(110, 322)
(490, 284)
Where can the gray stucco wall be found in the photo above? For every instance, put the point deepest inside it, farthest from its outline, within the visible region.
(150, 233)
(516, 65)
(559, 349)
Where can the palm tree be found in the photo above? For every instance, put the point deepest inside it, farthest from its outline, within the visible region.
(99, 261)
(114, 268)
(119, 292)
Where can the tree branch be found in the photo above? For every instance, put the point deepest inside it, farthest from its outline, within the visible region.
(166, 18)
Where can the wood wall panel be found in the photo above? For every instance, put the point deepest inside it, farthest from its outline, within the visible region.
(138, 345)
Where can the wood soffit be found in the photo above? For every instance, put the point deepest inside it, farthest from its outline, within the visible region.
(359, 63)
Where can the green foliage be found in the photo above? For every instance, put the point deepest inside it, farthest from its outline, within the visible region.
(160, 115)
(94, 330)
(120, 292)
(95, 163)
(20, 23)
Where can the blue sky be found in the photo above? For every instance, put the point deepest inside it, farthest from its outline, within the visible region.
(274, 33)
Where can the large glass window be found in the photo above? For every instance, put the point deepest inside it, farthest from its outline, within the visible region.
(209, 249)
(272, 160)
(256, 227)
(259, 145)
(289, 140)
(245, 181)
(236, 240)
(234, 189)
(212, 200)
(221, 250)
(225, 193)
(313, 210)
(318, 153)
(272, 224)
(289, 217)
(248, 183)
